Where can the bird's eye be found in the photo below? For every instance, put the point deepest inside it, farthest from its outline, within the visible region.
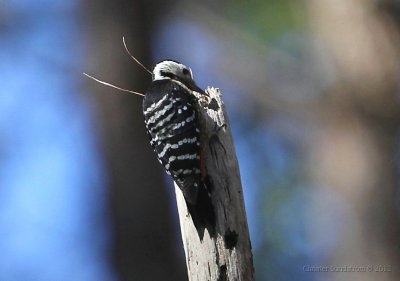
(186, 71)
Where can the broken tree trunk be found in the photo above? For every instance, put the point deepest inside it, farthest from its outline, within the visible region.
(226, 254)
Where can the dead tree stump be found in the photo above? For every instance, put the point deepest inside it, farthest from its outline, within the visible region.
(225, 255)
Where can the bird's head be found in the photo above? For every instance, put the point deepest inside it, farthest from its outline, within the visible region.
(169, 69)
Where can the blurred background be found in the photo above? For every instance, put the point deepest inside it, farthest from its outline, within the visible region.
(312, 90)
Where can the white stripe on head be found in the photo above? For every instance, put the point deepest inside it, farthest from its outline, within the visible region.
(167, 68)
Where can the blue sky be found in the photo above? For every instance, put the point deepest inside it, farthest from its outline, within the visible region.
(52, 185)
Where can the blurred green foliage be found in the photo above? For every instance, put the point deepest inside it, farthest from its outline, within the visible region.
(267, 20)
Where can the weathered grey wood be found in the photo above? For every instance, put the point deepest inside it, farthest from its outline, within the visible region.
(227, 255)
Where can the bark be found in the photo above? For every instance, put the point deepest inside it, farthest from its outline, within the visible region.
(225, 254)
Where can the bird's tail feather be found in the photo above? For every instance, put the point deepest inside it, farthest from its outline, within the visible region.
(202, 212)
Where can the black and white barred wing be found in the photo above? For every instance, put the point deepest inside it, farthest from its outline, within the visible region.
(171, 122)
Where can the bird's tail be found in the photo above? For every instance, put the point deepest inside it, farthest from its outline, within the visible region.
(202, 212)
(199, 204)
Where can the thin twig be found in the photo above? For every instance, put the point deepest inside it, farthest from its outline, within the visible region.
(113, 86)
(135, 59)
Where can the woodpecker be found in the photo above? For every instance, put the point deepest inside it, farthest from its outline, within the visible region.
(170, 109)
